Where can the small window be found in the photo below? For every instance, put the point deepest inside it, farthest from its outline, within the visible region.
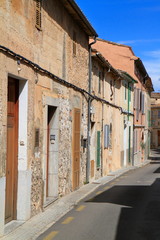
(37, 137)
(74, 43)
(125, 93)
(106, 136)
(110, 135)
(158, 114)
(99, 82)
(129, 93)
(38, 13)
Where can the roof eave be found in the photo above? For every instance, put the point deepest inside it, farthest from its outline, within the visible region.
(78, 15)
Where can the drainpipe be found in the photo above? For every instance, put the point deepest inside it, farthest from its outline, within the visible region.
(89, 111)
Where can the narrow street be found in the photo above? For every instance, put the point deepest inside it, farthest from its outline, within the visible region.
(127, 208)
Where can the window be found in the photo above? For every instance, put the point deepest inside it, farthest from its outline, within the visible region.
(98, 149)
(37, 137)
(110, 135)
(125, 91)
(129, 93)
(158, 114)
(106, 136)
(149, 118)
(143, 104)
(38, 13)
(74, 43)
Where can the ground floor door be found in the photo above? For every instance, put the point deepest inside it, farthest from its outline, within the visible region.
(12, 150)
(158, 138)
(76, 148)
(125, 142)
(51, 159)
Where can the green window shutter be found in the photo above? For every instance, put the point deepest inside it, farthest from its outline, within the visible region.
(129, 93)
(98, 148)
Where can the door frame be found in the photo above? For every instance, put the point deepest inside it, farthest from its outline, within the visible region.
(53, 102)
(23, 204)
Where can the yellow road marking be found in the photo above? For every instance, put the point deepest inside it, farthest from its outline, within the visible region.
(91, 199)
(80, 208)
(99, 192)
(105, 188)
(67, 220)
(51, 236)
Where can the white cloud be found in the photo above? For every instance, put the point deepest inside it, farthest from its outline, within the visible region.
(139, 41)
(153, 68)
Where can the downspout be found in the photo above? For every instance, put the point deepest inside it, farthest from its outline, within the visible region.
(89, 111)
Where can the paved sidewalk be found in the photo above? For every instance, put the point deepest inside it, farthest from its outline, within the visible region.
(31, 229)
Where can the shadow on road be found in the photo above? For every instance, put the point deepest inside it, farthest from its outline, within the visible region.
(140, 211)
(155, 156)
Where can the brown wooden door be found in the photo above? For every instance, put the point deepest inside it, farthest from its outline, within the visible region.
(158, 138)
(76, 149)
(12, 151)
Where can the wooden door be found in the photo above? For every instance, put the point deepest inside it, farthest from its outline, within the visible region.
(158, 138)
(12, 151)
(76, 149)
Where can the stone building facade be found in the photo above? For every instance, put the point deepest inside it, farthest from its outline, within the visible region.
(123, 58)
(43, 104)
(155, 120)
(111, 145)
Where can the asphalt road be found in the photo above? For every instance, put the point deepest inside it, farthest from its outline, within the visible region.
(127, 208)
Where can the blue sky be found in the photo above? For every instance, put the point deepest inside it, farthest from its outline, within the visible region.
(132, 22)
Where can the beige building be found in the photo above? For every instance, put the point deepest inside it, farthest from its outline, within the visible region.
(122, 57)
(111, 118)
(44, 61)
(155, 120)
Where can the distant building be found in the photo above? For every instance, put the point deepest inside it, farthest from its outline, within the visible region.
(112, 118)
(123, 58)
(155, 120)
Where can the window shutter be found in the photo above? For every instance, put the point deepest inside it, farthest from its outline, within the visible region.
(143, 103)
(140, 98)
(38, 13)
(149, 118)
(135, 98)
(106, 136)
(98, 148)
(137, 108)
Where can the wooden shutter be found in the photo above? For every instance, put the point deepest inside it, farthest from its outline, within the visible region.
(106, 136)
(38, 13)
(149, 118)
(143, 104)
(98, 148)
(135, 98)
(138, 107)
